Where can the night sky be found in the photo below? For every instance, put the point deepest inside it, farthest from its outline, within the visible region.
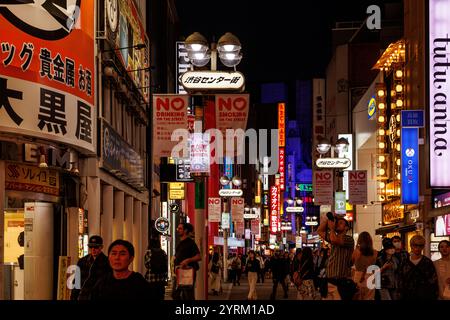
(282, 40)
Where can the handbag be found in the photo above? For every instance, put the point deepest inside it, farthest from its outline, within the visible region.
(185, 277)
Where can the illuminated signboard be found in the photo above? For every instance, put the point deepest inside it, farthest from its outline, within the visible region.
(410, 165)
(281, 125)
(274, 212)
(281, 170)
(371, 108)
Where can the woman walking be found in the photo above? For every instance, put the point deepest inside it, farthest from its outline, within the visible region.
(215, 271)
(252, 268)
(363, 257)
(304, 277)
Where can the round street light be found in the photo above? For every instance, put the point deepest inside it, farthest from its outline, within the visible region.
(224, 180)
(299, 202)
(290, 201)
(237, 181)
(323, 146)
(341, 145)
(229, 48)
(247, 209)
(197, 49)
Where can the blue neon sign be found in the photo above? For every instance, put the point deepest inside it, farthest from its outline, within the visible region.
(410, 165)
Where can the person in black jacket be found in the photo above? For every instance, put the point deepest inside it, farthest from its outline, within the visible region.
(252, 268)
(121, 283)
(280, 269)
(157, 268)
(93, 266)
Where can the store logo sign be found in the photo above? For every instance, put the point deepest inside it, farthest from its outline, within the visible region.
(410, 165)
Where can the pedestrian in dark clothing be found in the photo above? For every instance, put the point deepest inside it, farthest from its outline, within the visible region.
(418, 277)
(252, 268)
(93, 267)
(21, 258)
(280, 270)
(121, 283)
(157, 268)
(187, 255)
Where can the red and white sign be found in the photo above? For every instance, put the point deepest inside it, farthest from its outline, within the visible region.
(231, 112)
(214, 210)
(323, 187)
(200, 154)
(281, 167)
(281, 125)
(357, 180)
(274, 210)
(255, 227)
(318, 114)
(237, 209)
(169, 114)
(239, 227)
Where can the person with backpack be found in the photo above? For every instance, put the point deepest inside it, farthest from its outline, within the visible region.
(156, 263)
(215, 277)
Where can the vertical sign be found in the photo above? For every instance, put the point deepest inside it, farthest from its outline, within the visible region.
(255, 227)
(410, 165)
(200, 153)
(318, 115)
(323, 187)
(274, 215)
(214, 209)
(240, 228)
(281, 125)
(339, 203)
(349, 155)
(358, 187)
(182, 65)
(169, 114)
(237, 209)
(228, 170)
(439, 91)
(225, 220)
(281, 163)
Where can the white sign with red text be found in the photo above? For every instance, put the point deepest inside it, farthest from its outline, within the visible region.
(357, 180)
(237, 209)
(169, 114)
(323, 187)
(274, 211)
(214, 209)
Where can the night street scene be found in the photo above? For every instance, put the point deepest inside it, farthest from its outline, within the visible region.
(222, 159)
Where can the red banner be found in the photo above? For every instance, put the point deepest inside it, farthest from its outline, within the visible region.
(274, 210)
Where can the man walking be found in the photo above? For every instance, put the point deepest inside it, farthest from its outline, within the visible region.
(187, 255)
(338, 270)
(92, 267)
(280, 270)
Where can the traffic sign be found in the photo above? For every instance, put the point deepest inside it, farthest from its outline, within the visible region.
(162, 225)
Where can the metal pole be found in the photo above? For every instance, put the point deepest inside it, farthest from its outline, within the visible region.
(225, 246)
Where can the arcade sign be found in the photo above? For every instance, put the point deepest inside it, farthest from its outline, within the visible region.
(335, 163)
(230, 192)
(212, 81)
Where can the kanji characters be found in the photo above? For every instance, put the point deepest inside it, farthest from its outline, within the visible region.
(52, 112)
(5, 94)
(26, 54)
(84, 123)
(58, 69)
(81, 79)
(46, 60)
(11, 49)
(70, 72)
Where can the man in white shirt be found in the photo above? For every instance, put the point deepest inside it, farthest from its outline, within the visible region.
(443, 270)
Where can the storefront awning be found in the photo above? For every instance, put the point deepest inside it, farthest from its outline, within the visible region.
(408, 228)
(387, 229)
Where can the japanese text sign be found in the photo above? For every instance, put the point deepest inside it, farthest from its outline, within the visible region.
(281, 125)
(410, 165)
(357, 187)
(47, 89)
(274, 210)
(323, 187)
(281, 168)
(214, 209)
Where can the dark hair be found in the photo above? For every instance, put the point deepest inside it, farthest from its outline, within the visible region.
(124, 243)
(187, 226)
(21, 239)
(396, 238)
(154, 243)
(215, 257)
(307, 259)
(443, 241)
(298, 251)
(365, 244)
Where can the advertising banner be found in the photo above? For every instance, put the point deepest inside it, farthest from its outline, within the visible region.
(318, 115)
(237, 209)
(169, 114)
(281, 168)
(255, 227)
(47, 89)
(31, 178)
(214, 209)
(200, 153)
(357, 187)
(323, 187)
(225, 220)
(410, 165)
(274, 210)
(282, 125)
(438, 92)
(339, 203)
(347, 154)
(239, 228)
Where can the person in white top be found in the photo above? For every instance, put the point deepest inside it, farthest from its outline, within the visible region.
(443, 270)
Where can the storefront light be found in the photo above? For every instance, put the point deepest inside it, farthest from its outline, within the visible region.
(381, 119)
(399, 88)
(399, 73)
(399, 162)
(381, 132)
(381, 197)
(382, 172)
(399, 103)
(393, 93)
(399, 176)
(381, 158)
(382, 185)
(381, 93)
(398, 132)
(381, 145)
(398, 118)
(398, 147)
(381, 106)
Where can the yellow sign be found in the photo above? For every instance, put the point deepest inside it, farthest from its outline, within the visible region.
(31, 178)
(176, 186)
(176, 194)
(393, 212)
(257, 199)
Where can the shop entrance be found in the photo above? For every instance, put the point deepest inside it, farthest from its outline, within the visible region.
(29, 246)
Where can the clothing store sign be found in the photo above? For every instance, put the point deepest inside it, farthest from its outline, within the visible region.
(439, 91)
